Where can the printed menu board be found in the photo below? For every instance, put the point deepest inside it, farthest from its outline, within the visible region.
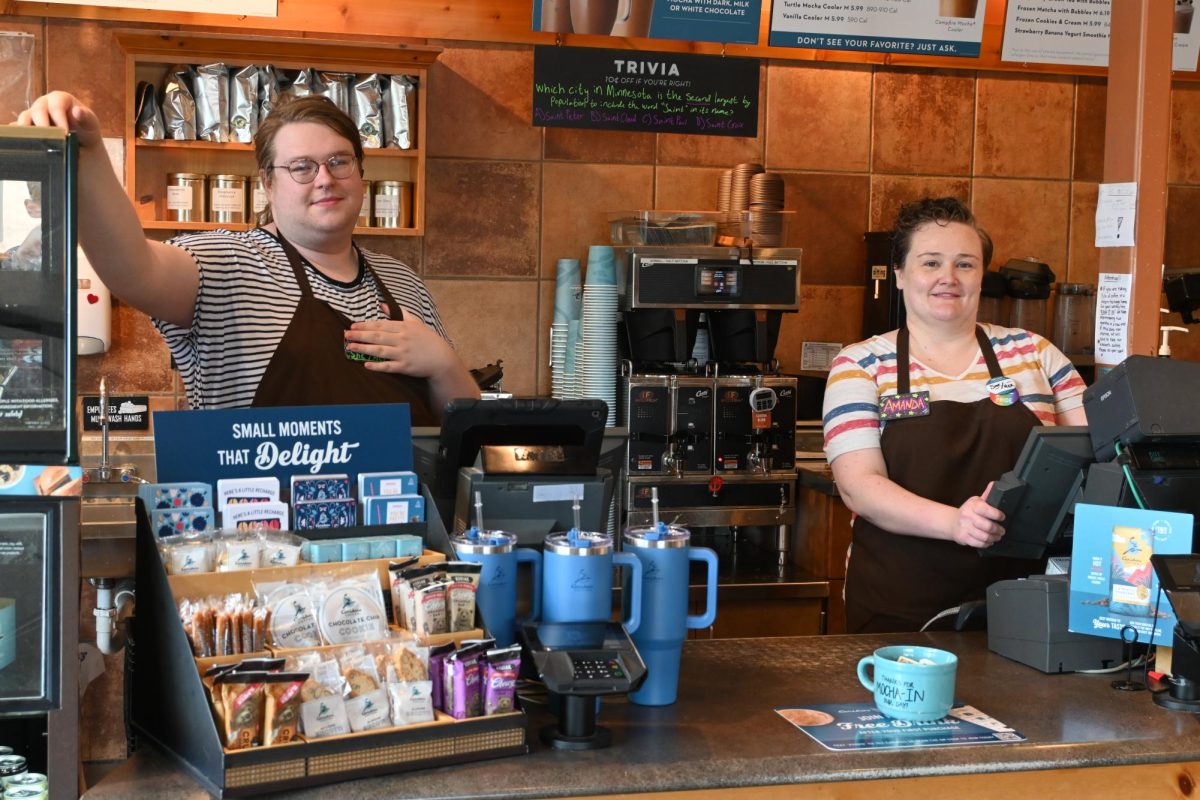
(731, 21)
(1076, 32)
(643, 91)
(920, 27)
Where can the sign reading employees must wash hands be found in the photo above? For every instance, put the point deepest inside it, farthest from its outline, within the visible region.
(281, 442)
(919, 27)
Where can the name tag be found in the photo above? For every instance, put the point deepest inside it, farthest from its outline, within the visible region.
(1003, 391)
(903, 406)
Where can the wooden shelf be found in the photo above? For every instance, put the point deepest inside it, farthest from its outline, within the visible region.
(148, 55)
(186, 145)
(172, 225)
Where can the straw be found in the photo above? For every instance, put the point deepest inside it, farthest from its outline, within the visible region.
(474, 532)
(659, 528)
(574, 532)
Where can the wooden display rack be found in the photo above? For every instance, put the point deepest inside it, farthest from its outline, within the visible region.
(171, 706)
(148, 57)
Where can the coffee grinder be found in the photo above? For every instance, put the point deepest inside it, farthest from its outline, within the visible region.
(713, 428)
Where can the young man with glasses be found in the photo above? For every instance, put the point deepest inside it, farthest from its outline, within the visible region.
(290, 313)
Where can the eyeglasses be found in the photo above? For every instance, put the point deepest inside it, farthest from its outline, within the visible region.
(304, 170)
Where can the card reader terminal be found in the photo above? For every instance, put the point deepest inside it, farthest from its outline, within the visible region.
(581, 661)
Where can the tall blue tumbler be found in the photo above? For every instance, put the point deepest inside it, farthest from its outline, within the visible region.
(665, 552)
(577, 579)
(496, 595)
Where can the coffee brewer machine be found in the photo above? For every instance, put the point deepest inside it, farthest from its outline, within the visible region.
(714, 432)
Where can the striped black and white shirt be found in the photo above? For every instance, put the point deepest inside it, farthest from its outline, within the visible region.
(245, 301)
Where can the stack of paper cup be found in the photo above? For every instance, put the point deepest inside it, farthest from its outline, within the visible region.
(596, 375)
(568, 303)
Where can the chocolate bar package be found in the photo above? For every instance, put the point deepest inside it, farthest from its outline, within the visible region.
(246, 490)
(264, 516)
(175, 495)
(396, 510)
(185, 520)
(320, 487)
(314, 514)
(384, 484)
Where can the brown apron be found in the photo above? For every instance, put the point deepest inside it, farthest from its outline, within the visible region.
(896, 582)
(310, 367)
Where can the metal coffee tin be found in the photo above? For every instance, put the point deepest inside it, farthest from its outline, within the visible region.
(364, 212)
(393, 204)
(658, 538)
(587, 543)
(186, 197)
(485, 543)
(258, 198)
(227, 198)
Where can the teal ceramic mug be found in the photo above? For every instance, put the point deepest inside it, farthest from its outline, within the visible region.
(910, 683)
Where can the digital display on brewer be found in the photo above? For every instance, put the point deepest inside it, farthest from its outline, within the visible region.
(718, 282)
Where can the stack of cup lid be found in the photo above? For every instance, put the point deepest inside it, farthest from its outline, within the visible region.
(724, 189)
(739, 192)
(766, 201)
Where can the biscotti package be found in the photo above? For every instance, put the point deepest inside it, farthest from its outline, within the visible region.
(320, 487)
(315, 514)
(246, 490)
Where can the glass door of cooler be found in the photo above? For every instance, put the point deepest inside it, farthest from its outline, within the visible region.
(32, 581)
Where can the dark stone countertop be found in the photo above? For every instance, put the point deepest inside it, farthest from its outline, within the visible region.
(723, 731)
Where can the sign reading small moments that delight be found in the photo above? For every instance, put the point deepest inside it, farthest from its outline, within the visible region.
(281, 442)
(628, 90)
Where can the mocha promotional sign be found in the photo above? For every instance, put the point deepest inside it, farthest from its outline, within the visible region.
(281, 442)
(730, 21)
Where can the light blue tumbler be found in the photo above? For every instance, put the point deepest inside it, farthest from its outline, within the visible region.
(665, 552)
(496, 595)
(577, 579)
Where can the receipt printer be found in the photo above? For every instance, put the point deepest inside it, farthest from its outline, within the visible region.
(1027, 622)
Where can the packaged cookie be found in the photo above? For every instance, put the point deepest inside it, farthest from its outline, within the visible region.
(366, 697)
(460, 594)
(462, 683)
(281, 712)
(437, 661)
(351, 610)
(322, 706)
(500, 680)
(236, 552)
(429, 609)
(242, 704)
(281, 549)
(406, 584)
(410, 661)
(187, 553)
(291, 615)
(411, 701)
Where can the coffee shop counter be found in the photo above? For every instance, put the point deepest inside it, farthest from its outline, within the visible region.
(723, 734)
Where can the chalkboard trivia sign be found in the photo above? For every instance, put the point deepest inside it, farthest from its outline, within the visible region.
(634, 90)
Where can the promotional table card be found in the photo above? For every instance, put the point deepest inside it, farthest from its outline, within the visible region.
(860, 726)
(1113, 584)
(942, 28)
(212, 445)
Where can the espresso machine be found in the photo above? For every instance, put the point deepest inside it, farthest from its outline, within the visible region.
(711, 421)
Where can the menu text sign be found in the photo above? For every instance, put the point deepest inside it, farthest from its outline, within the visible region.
(919, 27)
(631, 90)
(732, 21)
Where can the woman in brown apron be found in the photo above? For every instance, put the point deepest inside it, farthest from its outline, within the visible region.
(918, 497)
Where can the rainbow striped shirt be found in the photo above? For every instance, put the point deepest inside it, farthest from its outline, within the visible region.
(865, 371)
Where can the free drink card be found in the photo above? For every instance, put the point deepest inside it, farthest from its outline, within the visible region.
(1113, 584)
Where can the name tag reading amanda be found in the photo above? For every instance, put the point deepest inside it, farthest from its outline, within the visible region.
(903, 406)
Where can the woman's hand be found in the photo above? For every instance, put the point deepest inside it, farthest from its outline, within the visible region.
(978, 524)
(62, 110)
(408, 346)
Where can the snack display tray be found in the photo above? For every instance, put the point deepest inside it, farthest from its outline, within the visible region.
(171, 707)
